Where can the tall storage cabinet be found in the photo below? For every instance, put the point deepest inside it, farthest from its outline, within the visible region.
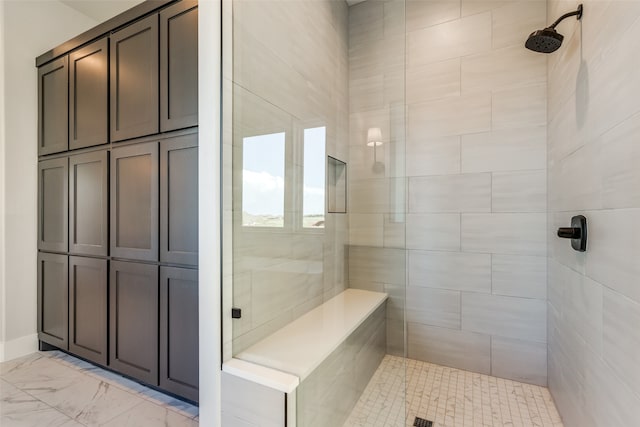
(117, 196)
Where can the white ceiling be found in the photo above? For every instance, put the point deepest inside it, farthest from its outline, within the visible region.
(101, 10)
(352, 2)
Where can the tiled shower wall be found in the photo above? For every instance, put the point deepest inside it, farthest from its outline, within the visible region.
(285, 71)
(476, 181)
(594, 170)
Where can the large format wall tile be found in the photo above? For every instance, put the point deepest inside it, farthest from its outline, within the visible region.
(435, 307)
(505, 233)
(451, 116)
(518, 360)
(458, 349)
(505, 150)
(519, 318)
(519, 191)
(450, 270)
(519, 276)
(449, 40)
(450, 193)
(433, 232)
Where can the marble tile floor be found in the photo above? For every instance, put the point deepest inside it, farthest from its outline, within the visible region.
(54, 389)
(450, 398)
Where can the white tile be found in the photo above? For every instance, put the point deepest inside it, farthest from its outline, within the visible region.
(519, 191)
(433, 232)
(505, 233)
(520, 107)
(450, 270)
(449, 40)
(503, 68)
(366, 229)
(513, 22)
(509, 317)
(426, 13)
(450, 116)
(433, 156)
(369, 196)
(449, 347)
(450, 193)
(621, 337)
(505, 150)
(612, 250)
(435, 307)
(518, 360)
(433, 81)
(519, 276)
(151, 415)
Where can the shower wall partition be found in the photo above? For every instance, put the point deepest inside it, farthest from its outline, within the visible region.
(446, 185)
(291, 117)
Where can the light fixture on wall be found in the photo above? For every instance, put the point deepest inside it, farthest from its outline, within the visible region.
(374, 139)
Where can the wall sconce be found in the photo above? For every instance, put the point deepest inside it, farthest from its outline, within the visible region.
(374, 139)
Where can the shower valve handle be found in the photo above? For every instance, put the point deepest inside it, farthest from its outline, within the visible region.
(569, 232)
(577, 233)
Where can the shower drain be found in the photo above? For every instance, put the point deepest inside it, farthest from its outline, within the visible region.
(421, 422)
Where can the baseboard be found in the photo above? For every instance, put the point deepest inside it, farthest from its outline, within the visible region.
(18, 347)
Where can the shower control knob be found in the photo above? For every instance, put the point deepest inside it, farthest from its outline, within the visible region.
(577, 233)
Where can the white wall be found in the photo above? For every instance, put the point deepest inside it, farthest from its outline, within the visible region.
(2, 215)
(30, 28)
(209, 69)
(594, 170)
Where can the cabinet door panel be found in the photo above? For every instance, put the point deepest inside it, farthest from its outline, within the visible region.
(179, 200)
(53, 299)
(179, 331)
(89, 200)
(89, 95)
(133, 336)
(179, 65)
(88, 308)
(53, 102)
(134, 202)
(134, 80)
(53, 205)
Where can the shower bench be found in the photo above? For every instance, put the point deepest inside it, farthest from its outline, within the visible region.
(310, 372)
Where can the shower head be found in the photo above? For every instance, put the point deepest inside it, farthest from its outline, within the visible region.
(544, 41)
(548, 39)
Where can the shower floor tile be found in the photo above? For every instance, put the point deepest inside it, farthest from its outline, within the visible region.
(450, 398)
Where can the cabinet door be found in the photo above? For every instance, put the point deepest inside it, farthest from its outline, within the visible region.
(179, 331)
(179, 66)
(89, 206)
(53, 205)
(88, 308)
(53, 299)
(179, 200)
(133, 320)
(134, 80)
(89, 95)
(53, 102)
(134, 202)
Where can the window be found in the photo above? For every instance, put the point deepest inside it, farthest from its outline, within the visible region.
(313, 185)
(263, 180)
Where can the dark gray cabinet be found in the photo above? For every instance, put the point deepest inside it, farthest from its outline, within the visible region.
(134, 80)
(89, 95)
(53, 299)
(53, 101)
(89, 203)
(179, 331)
(53, 204)
(134, 202)
(133, 320)
(179, 200)
(179, 66)
(88, 308)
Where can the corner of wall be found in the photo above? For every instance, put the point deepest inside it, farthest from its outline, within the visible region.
(18, 347)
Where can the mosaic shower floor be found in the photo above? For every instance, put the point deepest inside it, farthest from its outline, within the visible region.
(450, 398)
